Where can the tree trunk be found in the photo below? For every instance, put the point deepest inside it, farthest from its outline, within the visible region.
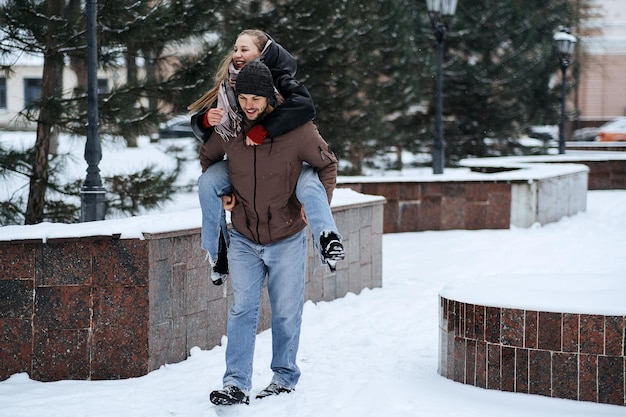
(52, 72)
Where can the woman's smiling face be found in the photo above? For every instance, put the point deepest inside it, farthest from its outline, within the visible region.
(244, 51)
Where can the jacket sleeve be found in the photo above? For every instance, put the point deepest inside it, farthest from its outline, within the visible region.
(211, 152)
(198, 129)
(314, 150)
(298, 107)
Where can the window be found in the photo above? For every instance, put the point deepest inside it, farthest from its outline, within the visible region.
(103, 86)
(3, 93)
(32, 90)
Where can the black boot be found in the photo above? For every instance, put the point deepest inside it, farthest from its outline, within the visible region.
(219, 272)
(332, 249)
(230, 395)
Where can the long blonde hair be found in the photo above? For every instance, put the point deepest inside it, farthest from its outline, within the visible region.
(210, 97)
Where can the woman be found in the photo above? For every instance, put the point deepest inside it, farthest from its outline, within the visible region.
(218, 110)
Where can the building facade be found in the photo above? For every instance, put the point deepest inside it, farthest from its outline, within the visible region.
(601, 92)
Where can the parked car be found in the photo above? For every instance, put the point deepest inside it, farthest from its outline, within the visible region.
(177, 127)
(585, 134)
(613, 131)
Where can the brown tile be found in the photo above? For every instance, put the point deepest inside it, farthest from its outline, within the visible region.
(431, 189)
(539, 372)
(468, 325)
(458, 373)
(63, 307)
(494, 376)
(614, 335)
(588, 378)
(565, 375)
(66, 262)
(430, 213)
(18, 261)
(453, 190)
(470, 362)
(479, 322)
(481, 364)
(592, 334)
(476, 216)
(409, 216)
(492, 325)
(531, 321)
(611, 380)
(16, 346)
(476, 192)
(452, 316)
(131, 263)
(391, 221)
(409, 191)
(571, 325)
(508, 369)
(549, 331)
(521, 370)
(452, 212)
(459, 319)
(120, 321)
(16, 299)
(512, 327)
(499, 210)
(60, 354)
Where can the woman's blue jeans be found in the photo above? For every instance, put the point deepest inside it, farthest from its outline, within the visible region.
(215, 182)
(284, 264)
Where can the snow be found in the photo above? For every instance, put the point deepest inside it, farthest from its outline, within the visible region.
(375, 353)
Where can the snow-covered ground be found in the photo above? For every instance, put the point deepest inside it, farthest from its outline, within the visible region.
(374, 353)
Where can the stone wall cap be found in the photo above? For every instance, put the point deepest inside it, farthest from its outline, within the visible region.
(564, 293)
(142, 227)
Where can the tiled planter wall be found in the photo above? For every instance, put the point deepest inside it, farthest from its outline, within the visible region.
(102, 307)
(418, 206)
(606, 175)
(561, 355)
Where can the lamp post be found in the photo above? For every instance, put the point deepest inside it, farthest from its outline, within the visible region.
(565, 43)
(440, 13)
(92, 194)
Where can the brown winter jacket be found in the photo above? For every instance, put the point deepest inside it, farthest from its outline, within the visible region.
(264, 178)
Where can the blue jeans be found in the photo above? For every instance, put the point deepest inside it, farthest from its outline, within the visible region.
(284, 264)
(215, 182)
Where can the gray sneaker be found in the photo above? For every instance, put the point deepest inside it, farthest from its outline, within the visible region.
(273, 389)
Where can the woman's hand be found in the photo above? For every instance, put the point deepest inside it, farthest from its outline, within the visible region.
(214, 116)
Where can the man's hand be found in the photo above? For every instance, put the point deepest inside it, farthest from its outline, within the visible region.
(229, 202)
(250, 142)
(303, 215)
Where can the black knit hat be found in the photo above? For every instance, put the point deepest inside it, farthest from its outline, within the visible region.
(255, 78)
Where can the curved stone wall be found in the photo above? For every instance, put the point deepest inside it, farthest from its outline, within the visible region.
(505, 346)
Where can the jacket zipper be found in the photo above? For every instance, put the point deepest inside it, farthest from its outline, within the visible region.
(258, 236)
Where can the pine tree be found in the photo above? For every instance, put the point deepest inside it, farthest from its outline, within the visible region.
(129, 30)
(499, 61)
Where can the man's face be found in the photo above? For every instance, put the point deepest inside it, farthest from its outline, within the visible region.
(253, 106)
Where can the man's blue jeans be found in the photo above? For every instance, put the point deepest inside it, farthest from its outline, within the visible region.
(284, 264)
(215, 182)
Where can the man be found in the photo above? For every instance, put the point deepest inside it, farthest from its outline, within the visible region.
(268, 236)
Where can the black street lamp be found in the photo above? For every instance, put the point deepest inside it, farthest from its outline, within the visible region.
(565, 43)
(92, 194)
(440, 13)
